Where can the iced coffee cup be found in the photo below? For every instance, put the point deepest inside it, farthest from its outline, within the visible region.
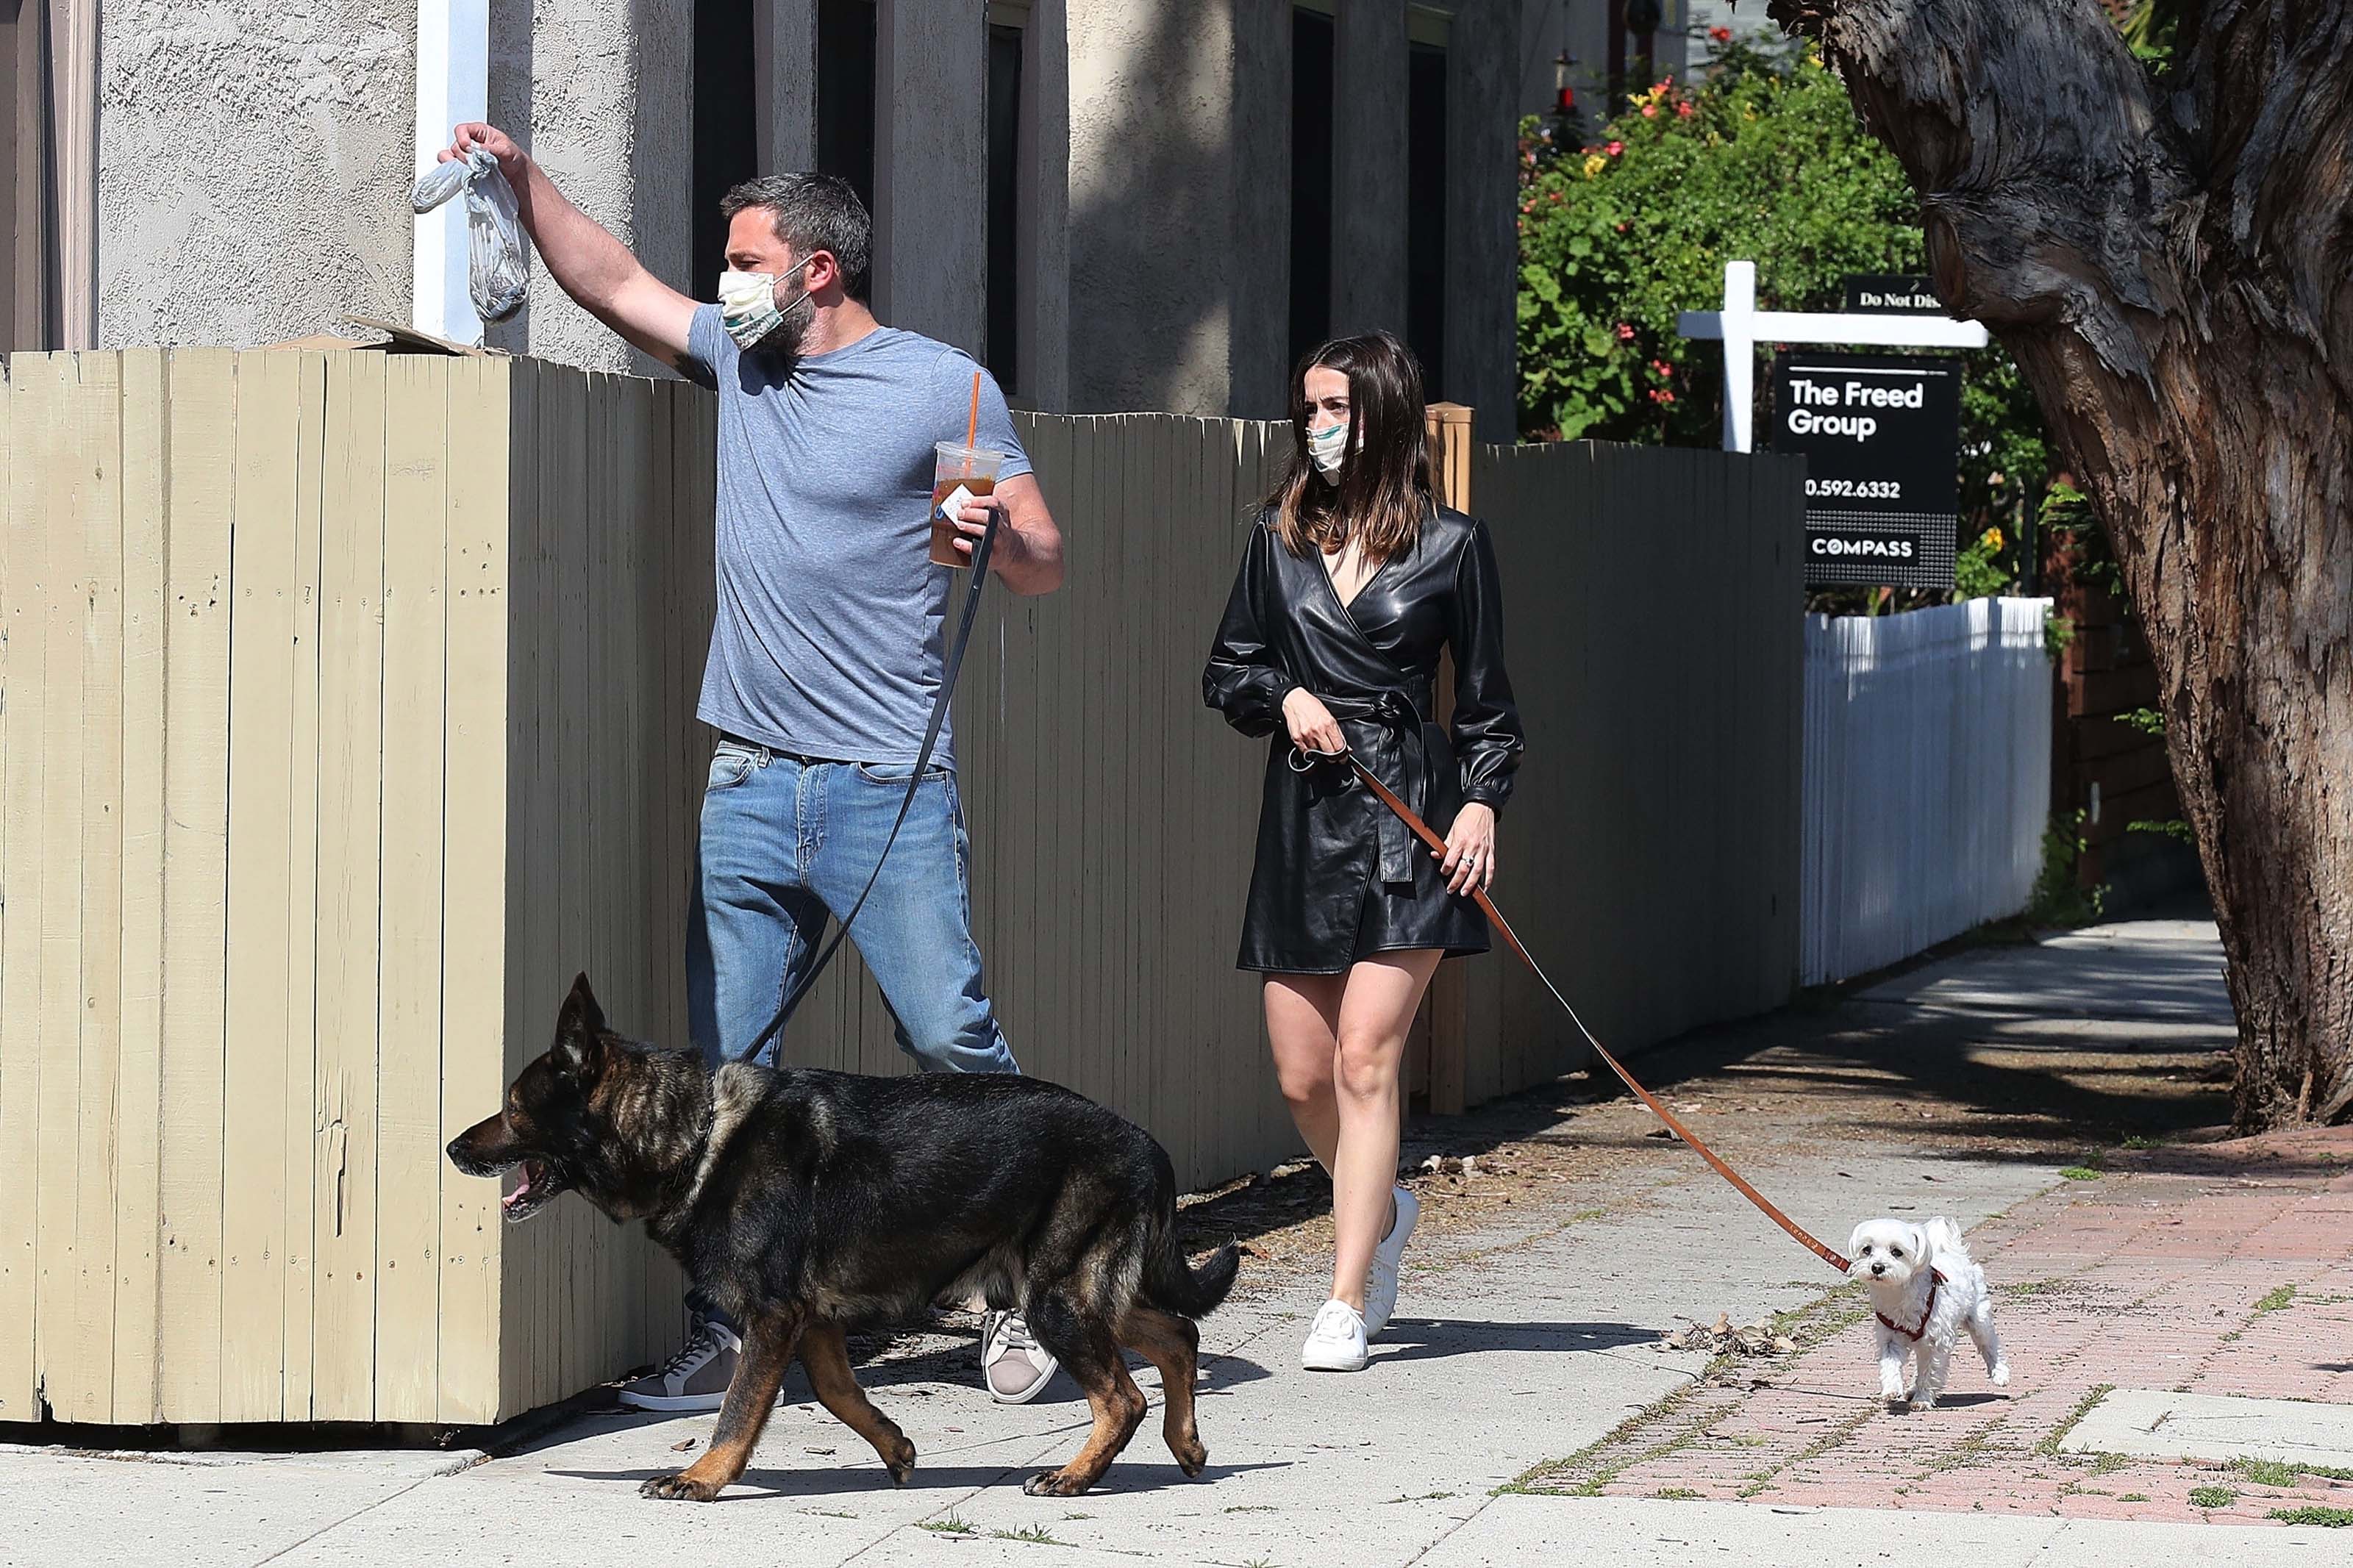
(959, 473)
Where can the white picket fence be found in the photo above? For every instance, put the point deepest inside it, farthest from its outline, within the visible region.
(1927, 778)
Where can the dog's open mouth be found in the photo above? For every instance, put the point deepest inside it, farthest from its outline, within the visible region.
(529, 1191)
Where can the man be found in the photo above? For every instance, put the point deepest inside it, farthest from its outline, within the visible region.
(826, 651)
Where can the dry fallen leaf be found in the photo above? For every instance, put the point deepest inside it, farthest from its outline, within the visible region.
(681, 1448)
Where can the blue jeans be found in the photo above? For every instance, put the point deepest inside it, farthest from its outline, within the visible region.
(788, 841)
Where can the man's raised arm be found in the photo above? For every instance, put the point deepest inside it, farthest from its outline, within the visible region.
(585, 262)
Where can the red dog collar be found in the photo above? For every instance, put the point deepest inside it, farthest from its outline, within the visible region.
(1937, 1278)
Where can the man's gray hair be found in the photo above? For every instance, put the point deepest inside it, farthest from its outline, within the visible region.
(813, 212)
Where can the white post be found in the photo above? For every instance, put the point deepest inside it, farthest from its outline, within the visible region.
(453, 85)
(1739, 353)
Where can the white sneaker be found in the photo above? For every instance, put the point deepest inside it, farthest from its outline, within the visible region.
(1336, 1341)
(1381, 1285)
(1016, 1367)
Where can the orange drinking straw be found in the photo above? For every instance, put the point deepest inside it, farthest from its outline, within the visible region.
(972, 425)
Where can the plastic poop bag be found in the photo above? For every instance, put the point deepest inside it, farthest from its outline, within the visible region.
(498, 260)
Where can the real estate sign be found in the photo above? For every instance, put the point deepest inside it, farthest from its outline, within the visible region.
(1881, 438)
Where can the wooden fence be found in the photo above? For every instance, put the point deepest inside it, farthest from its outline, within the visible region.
(346, 709)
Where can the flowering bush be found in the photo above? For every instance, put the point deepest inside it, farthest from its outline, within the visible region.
(1760, 160)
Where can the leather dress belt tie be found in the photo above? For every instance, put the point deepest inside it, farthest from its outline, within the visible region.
(1385, 728)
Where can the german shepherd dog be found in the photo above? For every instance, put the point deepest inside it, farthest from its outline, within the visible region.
(807, 1203)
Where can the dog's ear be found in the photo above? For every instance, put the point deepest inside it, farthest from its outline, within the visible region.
(1919, 1243)
(579, 1027)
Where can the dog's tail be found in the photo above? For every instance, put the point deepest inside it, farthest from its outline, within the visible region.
(1945, 1240)
(1174, 1286)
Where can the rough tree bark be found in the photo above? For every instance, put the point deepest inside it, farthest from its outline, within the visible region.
(2170, 261)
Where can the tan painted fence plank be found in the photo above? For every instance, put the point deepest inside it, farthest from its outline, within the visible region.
(97, 459)
(409, 1071)
(531, 964)
(201, 472)
(297, 1144)
(351, 789)
(139, 1091)
(262, 699)
(474, 848)
(25, 406)
(57, 1350)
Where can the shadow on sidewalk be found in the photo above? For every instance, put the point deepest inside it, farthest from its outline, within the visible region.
(766, 1483)
(1425, 1339)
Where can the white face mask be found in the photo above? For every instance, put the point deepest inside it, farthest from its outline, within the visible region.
(1328, 447)
(747, 303)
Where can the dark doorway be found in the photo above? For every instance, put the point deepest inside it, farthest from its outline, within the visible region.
(1310, 180)
(726, 130)
(1003, 348)
(1424, 208)
(845, 93)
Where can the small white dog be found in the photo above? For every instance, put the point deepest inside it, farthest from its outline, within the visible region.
(1925, 1289)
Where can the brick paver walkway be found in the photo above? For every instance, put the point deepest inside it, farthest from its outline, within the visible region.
(2227, 1269)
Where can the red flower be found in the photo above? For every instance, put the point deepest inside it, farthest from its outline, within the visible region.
(1649, 111)
(1625, 333)
(1721, 35)
(1661, 396)
(1555, 196)
(1684, 109)
(1614, 147)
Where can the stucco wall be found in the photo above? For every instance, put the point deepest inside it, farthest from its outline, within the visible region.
(255, 161)
(1151, 266)
(602, 96)
(254, 168)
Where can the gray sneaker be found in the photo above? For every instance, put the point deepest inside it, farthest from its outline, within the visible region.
(1016, 1367)
(696, 1378)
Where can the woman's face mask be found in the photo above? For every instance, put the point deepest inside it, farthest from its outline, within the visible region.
(1329, 448)
(747, 303)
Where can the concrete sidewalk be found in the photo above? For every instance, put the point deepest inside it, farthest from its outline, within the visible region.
(1521, 1343)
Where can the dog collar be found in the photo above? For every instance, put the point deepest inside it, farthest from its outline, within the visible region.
(1936, 1277)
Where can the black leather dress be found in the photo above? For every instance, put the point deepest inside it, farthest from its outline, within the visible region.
(1338, 876)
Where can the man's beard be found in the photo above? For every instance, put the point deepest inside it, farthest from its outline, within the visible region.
(785, 339)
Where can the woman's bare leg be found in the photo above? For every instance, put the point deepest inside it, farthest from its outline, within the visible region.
(1302, 1028)
(1376, 1008)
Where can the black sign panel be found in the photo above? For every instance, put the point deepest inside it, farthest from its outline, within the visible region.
(1893, 294)
(1882, 439)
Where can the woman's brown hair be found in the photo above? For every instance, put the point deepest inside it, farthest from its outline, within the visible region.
(1382, 496)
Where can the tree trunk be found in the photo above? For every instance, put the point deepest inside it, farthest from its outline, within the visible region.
(2171, 264)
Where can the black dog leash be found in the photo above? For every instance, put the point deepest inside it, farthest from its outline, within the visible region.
(1423, 830)
(954, 662)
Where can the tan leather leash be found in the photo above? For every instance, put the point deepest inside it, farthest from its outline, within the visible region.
(1421, 830)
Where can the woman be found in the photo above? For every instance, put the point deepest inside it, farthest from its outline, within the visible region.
(1353, 581)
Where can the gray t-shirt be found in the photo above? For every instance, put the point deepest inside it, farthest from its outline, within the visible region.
(828, 640)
